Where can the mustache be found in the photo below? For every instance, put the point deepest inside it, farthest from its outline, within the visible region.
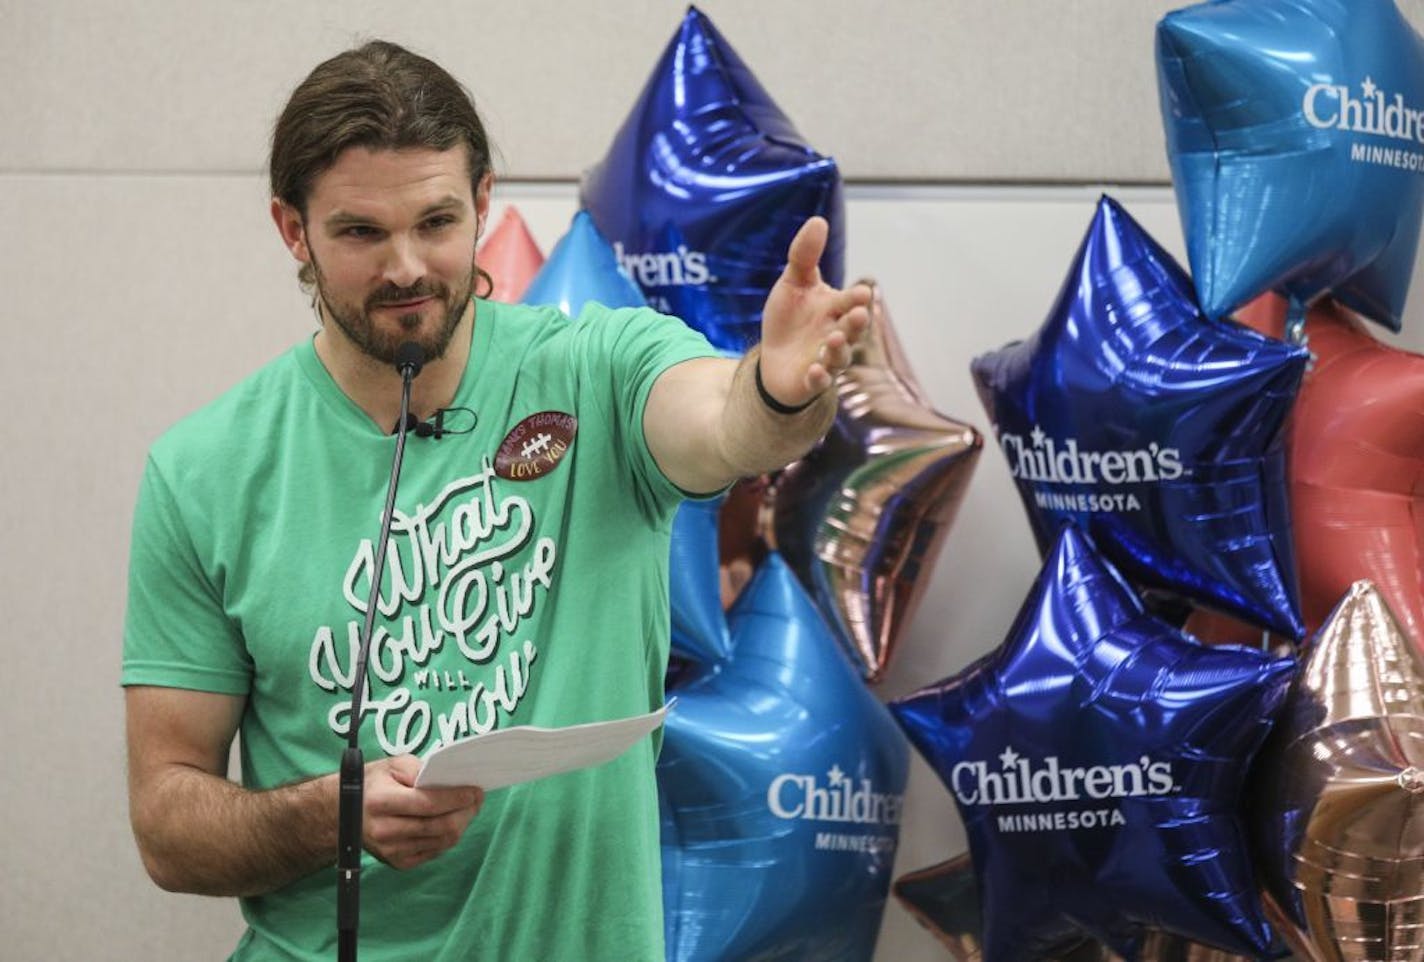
(391, 294)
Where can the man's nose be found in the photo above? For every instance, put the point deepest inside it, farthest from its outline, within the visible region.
(404, 263)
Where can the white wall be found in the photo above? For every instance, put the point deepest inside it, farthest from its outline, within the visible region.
(141, 277)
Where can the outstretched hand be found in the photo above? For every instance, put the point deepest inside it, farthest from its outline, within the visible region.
(808, 327)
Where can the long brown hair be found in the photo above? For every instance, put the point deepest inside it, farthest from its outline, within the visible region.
(379, 96)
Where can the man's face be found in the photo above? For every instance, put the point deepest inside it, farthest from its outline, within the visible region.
(391, 235)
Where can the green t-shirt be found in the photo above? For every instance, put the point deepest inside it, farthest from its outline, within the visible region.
(526, 583)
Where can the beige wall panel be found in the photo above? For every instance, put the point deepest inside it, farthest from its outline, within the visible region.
(937, 90)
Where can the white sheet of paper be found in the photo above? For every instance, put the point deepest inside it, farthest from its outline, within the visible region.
(507, 756)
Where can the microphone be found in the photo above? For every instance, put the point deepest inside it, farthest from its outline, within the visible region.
(440, 423)
(409, 359)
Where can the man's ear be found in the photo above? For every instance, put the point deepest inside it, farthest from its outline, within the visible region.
(294, 232)
(482, 203)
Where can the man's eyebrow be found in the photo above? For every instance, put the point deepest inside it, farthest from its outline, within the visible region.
(341, 218)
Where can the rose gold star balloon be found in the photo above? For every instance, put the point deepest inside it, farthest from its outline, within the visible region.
(861, 519)
(1355, 468)
(511, 256)
(1339, 794)
(944, 899)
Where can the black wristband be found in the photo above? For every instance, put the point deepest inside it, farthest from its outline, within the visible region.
(772, 402)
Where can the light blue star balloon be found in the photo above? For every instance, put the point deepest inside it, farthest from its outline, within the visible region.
(1295, 131)
(1097, 758)
(781, 780)
(699, 628)
(582, 268)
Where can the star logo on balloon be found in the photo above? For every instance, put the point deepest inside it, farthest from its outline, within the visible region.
(1125, 746)
(1153, 428)
(1291, 173)
(1339, 802)
(781, 778)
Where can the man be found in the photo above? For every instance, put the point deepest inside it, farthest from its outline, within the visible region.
(527, 567)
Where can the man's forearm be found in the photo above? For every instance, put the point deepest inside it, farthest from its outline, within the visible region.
(203, 834)
(755, 438)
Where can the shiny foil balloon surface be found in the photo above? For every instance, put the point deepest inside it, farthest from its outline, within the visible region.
(1296, 150)
(699, 628)
(781, 780)
(511, 256)
(582, 268)
(1356, 464)
(1339, 794)
(1097, 759)
(862, 518)
(705, 185)
(944, 899)
(1156, 430)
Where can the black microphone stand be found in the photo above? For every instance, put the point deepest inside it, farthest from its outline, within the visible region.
(409, 360)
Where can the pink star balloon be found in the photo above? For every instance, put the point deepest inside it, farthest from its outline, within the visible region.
(511, 256)
(1355, 467)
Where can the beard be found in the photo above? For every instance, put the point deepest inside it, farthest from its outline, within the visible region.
(381, 344)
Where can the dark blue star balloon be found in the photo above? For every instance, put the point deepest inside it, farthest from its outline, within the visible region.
(781, 780)
(582, 268)
(705, 185)
(699, 628)
(1295, 130)
(1097, 758)
(1156, 430)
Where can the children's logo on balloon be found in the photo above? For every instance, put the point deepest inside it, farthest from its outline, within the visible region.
(704, 186)
(1097, 759)
(1295, 131)
(1153, 428)
(781, 784)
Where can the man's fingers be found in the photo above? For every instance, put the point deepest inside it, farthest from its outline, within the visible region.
(409, 858)
(854, 323)
(818, 378)
(405, 841)
(424, 802)
(403, 768)
(835, 353)
(805, 253)
(857, 295)
(405, 830)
